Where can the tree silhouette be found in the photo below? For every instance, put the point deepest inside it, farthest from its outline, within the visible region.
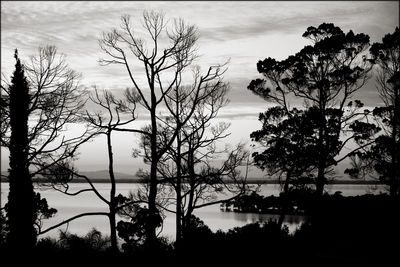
(191, 108)
(162, 68)
(323, 76)
(289, 140)
(387, 57)
(53, 101)
(104, 124)
(20, 211)
(384, 155)
(114, 108)
(188, 164)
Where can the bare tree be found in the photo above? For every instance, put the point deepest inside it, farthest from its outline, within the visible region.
(114, 109)
(207, 183)
(188, 106)
(54, 101)
(163, 68)
(113, 120)
(187, 165)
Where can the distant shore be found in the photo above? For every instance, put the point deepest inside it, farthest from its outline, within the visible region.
(260, 181)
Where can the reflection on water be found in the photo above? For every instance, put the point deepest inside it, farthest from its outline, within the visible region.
(216, 219)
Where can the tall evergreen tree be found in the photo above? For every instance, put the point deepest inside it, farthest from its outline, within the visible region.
(45, 92)
(20, 209)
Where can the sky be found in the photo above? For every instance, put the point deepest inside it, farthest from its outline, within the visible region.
(242, 32)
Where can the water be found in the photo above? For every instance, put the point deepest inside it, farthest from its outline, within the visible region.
(68, 206)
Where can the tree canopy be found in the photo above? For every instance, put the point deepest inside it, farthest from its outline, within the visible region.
(322, 77)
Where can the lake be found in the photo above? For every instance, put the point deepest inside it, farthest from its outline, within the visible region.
(68, 206)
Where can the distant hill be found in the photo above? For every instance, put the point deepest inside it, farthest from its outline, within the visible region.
(256, 180)
(96, 177)
(102, 176)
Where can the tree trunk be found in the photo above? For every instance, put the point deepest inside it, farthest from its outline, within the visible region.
(320, 183)
(151, 228)
(178, 195)
(186, 221)
(394, 179)
(191, 194)
(113, 230)
(285, 204)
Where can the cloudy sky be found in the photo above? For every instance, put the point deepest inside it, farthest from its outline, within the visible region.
(240, 31)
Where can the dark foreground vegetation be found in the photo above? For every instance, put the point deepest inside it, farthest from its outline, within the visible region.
(341, 230)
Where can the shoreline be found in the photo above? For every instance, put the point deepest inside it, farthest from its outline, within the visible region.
(133, 181)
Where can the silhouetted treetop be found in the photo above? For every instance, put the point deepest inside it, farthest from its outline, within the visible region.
(322, 31)
(382, 51)
(334, 61)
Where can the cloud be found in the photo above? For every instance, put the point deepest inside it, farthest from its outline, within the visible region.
(265, 18)
(243, 31)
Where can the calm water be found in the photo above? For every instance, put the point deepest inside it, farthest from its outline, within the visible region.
(69, 206)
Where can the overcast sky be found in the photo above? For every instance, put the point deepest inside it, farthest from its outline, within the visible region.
(242, 31)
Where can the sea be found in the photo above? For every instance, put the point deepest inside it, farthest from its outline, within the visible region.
(213, 216)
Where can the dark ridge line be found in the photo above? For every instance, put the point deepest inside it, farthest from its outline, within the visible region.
(135, 181)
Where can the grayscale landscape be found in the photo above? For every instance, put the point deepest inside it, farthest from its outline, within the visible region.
(207, 132)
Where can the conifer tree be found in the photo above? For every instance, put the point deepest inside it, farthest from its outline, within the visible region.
(20, 209)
